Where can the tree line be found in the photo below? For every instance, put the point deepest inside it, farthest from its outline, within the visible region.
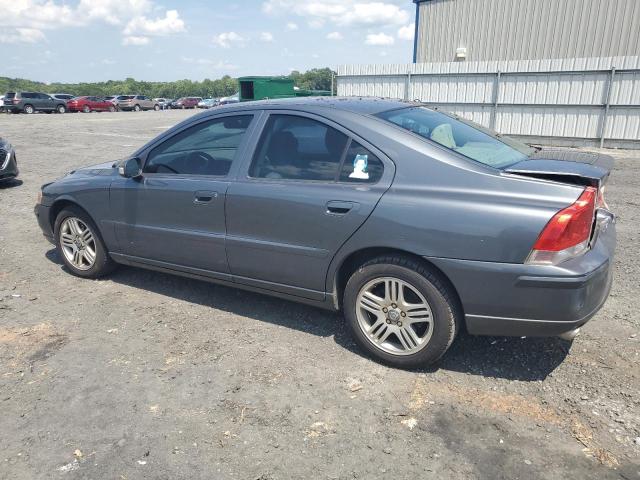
(315, 79)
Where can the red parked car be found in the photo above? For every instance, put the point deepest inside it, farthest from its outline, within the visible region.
(90, 104)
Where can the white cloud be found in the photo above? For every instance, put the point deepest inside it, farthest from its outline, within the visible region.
(22, 35)
(335, 36)
(266, 37)
(135, 40)
(37, 14)
(341, 12)
(292, 26)
(171, 23)
(114, 12)
(228, 39)
(40, 15)
(379, 39)
(406, 32)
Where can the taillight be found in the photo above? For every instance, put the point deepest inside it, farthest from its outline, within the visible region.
(16, 101)
(568, 232)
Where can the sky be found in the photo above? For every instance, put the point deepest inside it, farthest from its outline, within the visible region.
(97, 40)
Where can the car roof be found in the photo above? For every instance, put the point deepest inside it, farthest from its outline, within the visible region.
(361, 105)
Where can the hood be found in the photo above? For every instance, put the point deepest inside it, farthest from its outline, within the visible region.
(567, 166)
(105, 168)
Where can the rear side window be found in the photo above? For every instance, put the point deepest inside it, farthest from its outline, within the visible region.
(472, 141)
(28, 95)
(298, 148)
(208, 148)
(360, 165)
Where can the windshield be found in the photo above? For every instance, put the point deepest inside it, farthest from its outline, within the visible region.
(472, 141)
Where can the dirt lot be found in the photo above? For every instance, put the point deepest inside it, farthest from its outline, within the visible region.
(145, 375)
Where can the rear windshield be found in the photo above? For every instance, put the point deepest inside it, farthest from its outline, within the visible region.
(10, 95)
(470, 140)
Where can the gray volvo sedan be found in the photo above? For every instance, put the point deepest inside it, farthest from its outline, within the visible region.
(415, 223)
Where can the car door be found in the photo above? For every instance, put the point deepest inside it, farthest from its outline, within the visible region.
(299, 201)
(43, 102)
(175, 212)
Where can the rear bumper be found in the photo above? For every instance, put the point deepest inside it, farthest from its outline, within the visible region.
(534, 300)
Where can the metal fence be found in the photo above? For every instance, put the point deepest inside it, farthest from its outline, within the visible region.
(571, 102)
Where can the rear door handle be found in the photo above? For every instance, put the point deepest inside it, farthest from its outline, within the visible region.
(338, 207)
(202, 197)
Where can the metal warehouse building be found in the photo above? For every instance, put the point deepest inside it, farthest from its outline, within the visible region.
(480, 30)
(559, 72)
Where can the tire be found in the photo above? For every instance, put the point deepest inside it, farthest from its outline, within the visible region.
(86, 109)
(61, 109)
(136, 108)
(102, 264)
(156, 107)
(433, 326)
(183, 107)
(28, 109)
(112, 109)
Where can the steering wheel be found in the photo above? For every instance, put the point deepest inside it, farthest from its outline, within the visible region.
(203, 158)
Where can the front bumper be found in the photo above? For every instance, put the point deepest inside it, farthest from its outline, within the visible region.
(10, 170)
(535, 300)
(43, 214)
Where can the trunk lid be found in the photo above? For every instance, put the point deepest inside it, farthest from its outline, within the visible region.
(567, 166)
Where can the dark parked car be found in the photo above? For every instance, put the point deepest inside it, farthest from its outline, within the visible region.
(411, 221)
(8, 162)
(30, 102)
(90, 104)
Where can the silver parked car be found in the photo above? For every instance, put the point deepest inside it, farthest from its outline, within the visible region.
(137, 103)
(414, 223)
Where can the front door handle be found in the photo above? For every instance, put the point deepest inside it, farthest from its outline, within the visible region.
(339, 207)
(203, 197)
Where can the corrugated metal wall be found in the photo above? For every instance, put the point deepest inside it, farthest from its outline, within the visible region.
(527, 29)
(582, 101)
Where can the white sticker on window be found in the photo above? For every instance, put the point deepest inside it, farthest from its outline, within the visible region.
(360, 164)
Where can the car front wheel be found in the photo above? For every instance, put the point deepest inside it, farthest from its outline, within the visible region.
(80, 245)
(401, 312)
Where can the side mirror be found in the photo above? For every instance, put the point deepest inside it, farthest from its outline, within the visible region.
(131, 168)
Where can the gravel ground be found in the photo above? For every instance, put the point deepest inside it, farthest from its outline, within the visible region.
(145, 375)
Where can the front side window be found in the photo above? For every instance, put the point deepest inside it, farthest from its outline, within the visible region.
(208, 148)
(471, 141)
(298, 148)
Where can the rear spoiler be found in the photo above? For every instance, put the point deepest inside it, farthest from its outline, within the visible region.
(567, 166)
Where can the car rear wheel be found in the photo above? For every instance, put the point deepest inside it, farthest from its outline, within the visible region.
(401, 312)
(136, 108)
(80, 245)
(156, 107)
(86, 109)
(61, 109)
(29, 109)
(112, 109)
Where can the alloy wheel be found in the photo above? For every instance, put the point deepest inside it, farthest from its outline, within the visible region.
(77, 243)
(394, 316)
